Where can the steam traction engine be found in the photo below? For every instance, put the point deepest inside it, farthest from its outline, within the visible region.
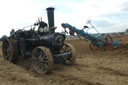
(44, 46)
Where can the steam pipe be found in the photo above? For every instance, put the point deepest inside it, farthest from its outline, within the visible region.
(50, 14)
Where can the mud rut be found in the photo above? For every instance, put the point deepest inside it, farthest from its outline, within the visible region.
(91, 68)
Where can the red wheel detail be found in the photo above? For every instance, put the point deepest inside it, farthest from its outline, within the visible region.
(71, 32)
(109, 42)
(109, 38)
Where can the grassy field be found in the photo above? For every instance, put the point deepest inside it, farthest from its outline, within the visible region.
(91, 68)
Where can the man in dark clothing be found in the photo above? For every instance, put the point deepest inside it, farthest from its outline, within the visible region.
(43, 28)
(41, 24)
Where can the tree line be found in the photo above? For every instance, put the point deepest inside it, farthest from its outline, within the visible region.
(3, 37)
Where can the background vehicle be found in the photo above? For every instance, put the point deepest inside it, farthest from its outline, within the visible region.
(104, 41)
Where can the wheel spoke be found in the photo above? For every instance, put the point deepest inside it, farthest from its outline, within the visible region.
(6, 44)
(45, 62)
(40, 60)
(64, 48)
(69, 58)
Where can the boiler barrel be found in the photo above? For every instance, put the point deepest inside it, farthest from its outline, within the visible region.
(50, 14)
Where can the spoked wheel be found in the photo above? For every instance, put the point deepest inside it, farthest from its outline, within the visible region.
(10, 50)
(42, 59)
(70, 58)
(109, 41)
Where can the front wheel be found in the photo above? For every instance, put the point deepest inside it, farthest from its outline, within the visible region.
(42, 59)
(69, 59)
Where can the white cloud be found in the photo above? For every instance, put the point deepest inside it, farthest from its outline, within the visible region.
(19, 13)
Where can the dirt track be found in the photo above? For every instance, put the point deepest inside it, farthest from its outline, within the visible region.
(91, 68)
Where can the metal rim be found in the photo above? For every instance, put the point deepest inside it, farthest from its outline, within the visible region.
(69, 48)
(8, 50)
(42, 60)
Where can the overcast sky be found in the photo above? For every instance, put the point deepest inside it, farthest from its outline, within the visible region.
(106, 15)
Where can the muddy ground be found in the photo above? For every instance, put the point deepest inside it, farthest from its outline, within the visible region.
(91, 68)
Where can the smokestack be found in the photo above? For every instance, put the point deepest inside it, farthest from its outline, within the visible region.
(50, 14)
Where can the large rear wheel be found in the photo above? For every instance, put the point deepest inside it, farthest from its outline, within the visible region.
(42, 59)
(10, 50)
